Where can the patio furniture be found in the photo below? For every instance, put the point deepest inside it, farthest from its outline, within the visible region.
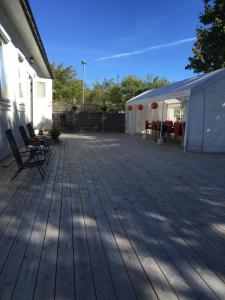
(32, 158)
(34, 144)
(39, 137)
(177, 129)
(154, 128)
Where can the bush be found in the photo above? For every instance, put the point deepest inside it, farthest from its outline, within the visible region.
(55, 133)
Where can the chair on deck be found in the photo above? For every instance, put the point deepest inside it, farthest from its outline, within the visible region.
(34, 145)
(39, 137)
(31, 158)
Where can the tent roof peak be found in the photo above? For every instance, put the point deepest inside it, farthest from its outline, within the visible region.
(180, 89)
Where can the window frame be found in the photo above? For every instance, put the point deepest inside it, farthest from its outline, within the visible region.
(43, 92)
(3, 77)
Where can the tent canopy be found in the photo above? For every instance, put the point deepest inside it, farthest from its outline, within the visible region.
(180, 90)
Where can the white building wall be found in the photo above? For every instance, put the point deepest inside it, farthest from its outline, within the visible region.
(15, 107)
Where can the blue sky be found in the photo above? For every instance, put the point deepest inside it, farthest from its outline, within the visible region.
(118, 38)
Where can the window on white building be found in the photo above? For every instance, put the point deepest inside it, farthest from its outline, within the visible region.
(3, 85)
(20, 75)
(40, 90)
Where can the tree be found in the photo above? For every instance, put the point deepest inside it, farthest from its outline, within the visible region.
(209, 48)
(114, 95)
(154, 82)
(106, 94)
(110, 94)
(66, 87)
(131, 86)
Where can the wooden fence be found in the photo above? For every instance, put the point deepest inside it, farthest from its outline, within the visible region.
(71, 121)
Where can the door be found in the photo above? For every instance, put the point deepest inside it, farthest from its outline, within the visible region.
(42, 103)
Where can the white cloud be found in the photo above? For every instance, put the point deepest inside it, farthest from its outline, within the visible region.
(137, 52)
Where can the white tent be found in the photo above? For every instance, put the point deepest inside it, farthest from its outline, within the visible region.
(202, 99)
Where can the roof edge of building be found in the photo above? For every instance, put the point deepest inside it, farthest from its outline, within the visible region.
(33, 26)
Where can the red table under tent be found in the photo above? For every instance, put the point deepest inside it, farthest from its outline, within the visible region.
(193, 109)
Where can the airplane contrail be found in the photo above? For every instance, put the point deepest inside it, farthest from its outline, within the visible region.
(136, 52)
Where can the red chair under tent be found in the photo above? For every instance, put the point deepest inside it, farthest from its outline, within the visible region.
(169, 128)
(177, 129)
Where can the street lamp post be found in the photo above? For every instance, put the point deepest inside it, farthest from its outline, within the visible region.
(83, 62)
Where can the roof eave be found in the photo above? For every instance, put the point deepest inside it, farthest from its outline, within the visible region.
(31, 21)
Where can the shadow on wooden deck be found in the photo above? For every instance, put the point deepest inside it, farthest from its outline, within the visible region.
(117, 217)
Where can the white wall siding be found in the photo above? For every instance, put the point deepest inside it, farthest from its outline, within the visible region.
(15, 108)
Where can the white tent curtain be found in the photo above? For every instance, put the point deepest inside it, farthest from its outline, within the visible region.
(135, 119)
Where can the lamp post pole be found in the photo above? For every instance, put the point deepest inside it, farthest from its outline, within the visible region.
(83, 62)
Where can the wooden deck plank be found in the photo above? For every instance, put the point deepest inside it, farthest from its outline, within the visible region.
(84, 281)
(12, 228)
(212, 281)
(111, 189)
(159, 233)
(65, 270)
(120, 277)
(101, 273)
(13, 203)
(65, 264)
(204, 237)
(104, 286)
(121, 280)
(193, 282)
(45, 284)
(117, 217)
(138, 277)
(83, 272)
(14, 260)
(154, 273)
(29, 269)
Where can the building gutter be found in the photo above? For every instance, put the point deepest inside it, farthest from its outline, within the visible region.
(31, 21)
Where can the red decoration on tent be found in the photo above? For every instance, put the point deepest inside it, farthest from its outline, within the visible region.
(154, 105)
(140, 107)
(129, 107)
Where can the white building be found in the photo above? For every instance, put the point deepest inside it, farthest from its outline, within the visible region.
(25, 75)
(199, 102)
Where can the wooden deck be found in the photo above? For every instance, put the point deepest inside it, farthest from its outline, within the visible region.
(117, 217)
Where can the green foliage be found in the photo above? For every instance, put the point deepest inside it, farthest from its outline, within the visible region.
(131, 86)
(114, 95)
(209, 49)
(66, 88)
(110, 94)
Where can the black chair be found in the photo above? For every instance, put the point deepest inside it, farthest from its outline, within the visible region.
(31, 130)
(32, 158)
(27, 141)
(39, 137)
(40, 146)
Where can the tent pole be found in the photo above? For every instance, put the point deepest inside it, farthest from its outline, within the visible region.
(187, 117)
(160, 140)
(132, 118)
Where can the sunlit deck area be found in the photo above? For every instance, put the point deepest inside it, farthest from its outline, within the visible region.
(117, 217)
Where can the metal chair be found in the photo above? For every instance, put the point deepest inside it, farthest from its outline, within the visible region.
(30, 130)
(34, 144)
(39, 137)
(32, 158)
